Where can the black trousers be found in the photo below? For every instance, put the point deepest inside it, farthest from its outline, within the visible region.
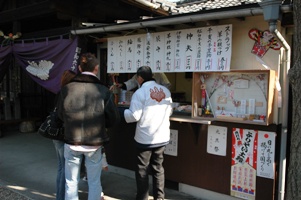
(150, 160)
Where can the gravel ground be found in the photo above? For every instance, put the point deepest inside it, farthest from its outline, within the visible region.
(9, 194)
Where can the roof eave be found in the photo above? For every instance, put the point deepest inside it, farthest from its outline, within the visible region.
(207, 15)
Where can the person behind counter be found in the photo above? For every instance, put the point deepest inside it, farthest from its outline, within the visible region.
(132, 83)
(150, 108)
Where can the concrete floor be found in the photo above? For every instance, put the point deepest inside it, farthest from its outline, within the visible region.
(28, 167)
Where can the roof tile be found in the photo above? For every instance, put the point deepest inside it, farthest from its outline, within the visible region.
(194, 6)
(188, 6)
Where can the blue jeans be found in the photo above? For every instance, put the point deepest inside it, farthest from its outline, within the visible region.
(73, 161)
(60, 177)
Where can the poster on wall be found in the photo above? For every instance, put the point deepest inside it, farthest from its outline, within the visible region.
(120, 56)
(172, 148)
(169, 51)
(148, 50)
(112, 51)
(217, 140)
(223, 48)
(130, 54)
(158, 45)
(179, 51)
(199, 54)
(243, 163)
(266, 154)
(186, 50)
(190, 49)
(139, 48)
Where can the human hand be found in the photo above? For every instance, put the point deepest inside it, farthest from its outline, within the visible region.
(112, 87)
(115, 87)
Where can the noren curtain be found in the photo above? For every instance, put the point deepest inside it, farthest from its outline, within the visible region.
(43, 61)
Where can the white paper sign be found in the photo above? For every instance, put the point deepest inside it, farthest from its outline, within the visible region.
(172, 148)
(179, 51)
(159, 52)
(189, 48)
(112, 53)
(266, 154)
(210, 49)
(223, 47)
(130, 54)
(139, 49)
(217, 140)
(196, 49)
(148, 50)
(200, 53)
(169, 51)
(119, 56)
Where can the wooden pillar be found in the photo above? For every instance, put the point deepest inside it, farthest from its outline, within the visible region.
(7, 109)
(17, 108)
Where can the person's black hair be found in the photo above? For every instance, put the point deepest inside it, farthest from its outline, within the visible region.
(88, 62)
(145, 72)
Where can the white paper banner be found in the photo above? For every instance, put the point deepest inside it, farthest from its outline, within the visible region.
(169, 51)
(121, 55)
(159, 54)
(187, 50)
(217, 140)
(172, 148)
(139, 49)
(266, 154)
(130, 54)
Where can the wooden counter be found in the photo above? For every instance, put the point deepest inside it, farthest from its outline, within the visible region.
(192, 165)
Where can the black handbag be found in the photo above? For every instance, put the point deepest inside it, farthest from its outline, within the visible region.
(52, 127)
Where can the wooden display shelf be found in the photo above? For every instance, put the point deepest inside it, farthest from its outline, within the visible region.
(234, 96)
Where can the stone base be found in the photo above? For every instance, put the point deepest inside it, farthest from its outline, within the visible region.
(27, 127)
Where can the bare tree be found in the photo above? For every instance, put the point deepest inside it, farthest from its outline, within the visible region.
(293, 191)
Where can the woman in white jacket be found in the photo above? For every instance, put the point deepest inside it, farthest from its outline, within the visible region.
(150, 108)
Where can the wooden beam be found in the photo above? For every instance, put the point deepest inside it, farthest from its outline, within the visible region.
(47, 33)
(30, 11)
(100, 11)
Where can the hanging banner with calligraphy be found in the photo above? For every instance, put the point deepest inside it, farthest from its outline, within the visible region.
(158, 44)
(116, 50)
(130, 54)
(178, 64)
(266, 154)
(188, 50)
(243, 164)
(169, 52)
(139, 51)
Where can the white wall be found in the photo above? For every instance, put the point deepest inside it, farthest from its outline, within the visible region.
(242, 58)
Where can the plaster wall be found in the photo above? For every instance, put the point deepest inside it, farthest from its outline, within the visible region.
(242, 58)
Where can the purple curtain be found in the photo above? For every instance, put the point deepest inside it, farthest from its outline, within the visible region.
(45, 61)
(5, 60)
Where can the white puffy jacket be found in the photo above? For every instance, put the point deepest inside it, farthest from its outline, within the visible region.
(150, 108)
